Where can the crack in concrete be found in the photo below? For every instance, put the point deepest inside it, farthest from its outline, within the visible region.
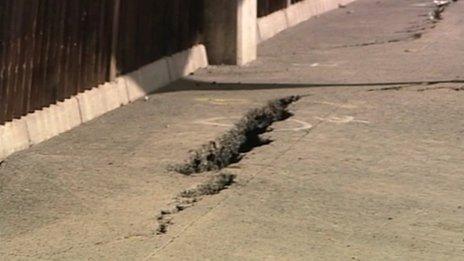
(461, 88)
(399, 88)
(393, 88)
(242, 138)
(264, 167)
(433, 17)
(189, 197)
(412, 37)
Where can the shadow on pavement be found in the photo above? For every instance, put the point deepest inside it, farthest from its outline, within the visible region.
(186, 84)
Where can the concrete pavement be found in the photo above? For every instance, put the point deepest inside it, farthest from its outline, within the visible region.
(366, 42)
(378, 177)
(358, 173)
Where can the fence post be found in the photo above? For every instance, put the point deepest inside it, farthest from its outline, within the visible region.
(230, 28)
(114, 40)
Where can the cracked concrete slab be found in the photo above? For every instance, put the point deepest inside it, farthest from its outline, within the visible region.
(244, 135)
(389, 189)
(96, 190)
(377, 175)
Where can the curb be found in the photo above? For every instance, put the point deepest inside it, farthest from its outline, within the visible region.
(271, 25)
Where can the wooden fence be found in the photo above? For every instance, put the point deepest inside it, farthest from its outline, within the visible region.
(50, 50)
(53, 49)
(266, 7)
(145, 37)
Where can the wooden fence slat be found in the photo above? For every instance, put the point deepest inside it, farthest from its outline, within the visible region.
(34, 101)
(12, 58)
(61, 50)
(53, 49)
(266, 7)
(4, 18)
(29, 63)
(19, 60)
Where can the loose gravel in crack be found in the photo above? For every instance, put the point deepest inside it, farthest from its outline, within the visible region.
(440, 6)
(392, 88)
(398, 88)
(215, 185)
(461, 88)
(242, 138)
(189, 197)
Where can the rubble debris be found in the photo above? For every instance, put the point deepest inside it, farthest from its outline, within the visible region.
(162, 227)
(393, 88)
(215, 185)
(440, 6)
(435, 14)
(461, 88)
(189, 197)
(441, 3)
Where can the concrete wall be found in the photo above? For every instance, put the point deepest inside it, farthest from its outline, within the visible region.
(220, 31)
(247, 42)
(48, 122)
(230, 31)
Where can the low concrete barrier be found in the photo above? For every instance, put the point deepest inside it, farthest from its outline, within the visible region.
(13, 137)
(186, 62)
(279, 21)
(48, 122)
(147, 79)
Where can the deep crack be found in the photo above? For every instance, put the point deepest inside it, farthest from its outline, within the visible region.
(189, 197)
(434, 16)
(393, 88)
(411, 37)
(242, 138)
(215, 185)
(442, 88)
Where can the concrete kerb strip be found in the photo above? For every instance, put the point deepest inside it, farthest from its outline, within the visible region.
(35, 125)
(13, 137)
(186, 62)
(90, 104)
(70, 111)
(147, 79)
(272, 24)
(295, 14)
(141, 82)
(279, 21)
(154, 76)
(133, 90)
(48, 122)
(121, 87)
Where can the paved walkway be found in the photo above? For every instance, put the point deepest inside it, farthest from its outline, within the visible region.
(367, 42)
(377, 176)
